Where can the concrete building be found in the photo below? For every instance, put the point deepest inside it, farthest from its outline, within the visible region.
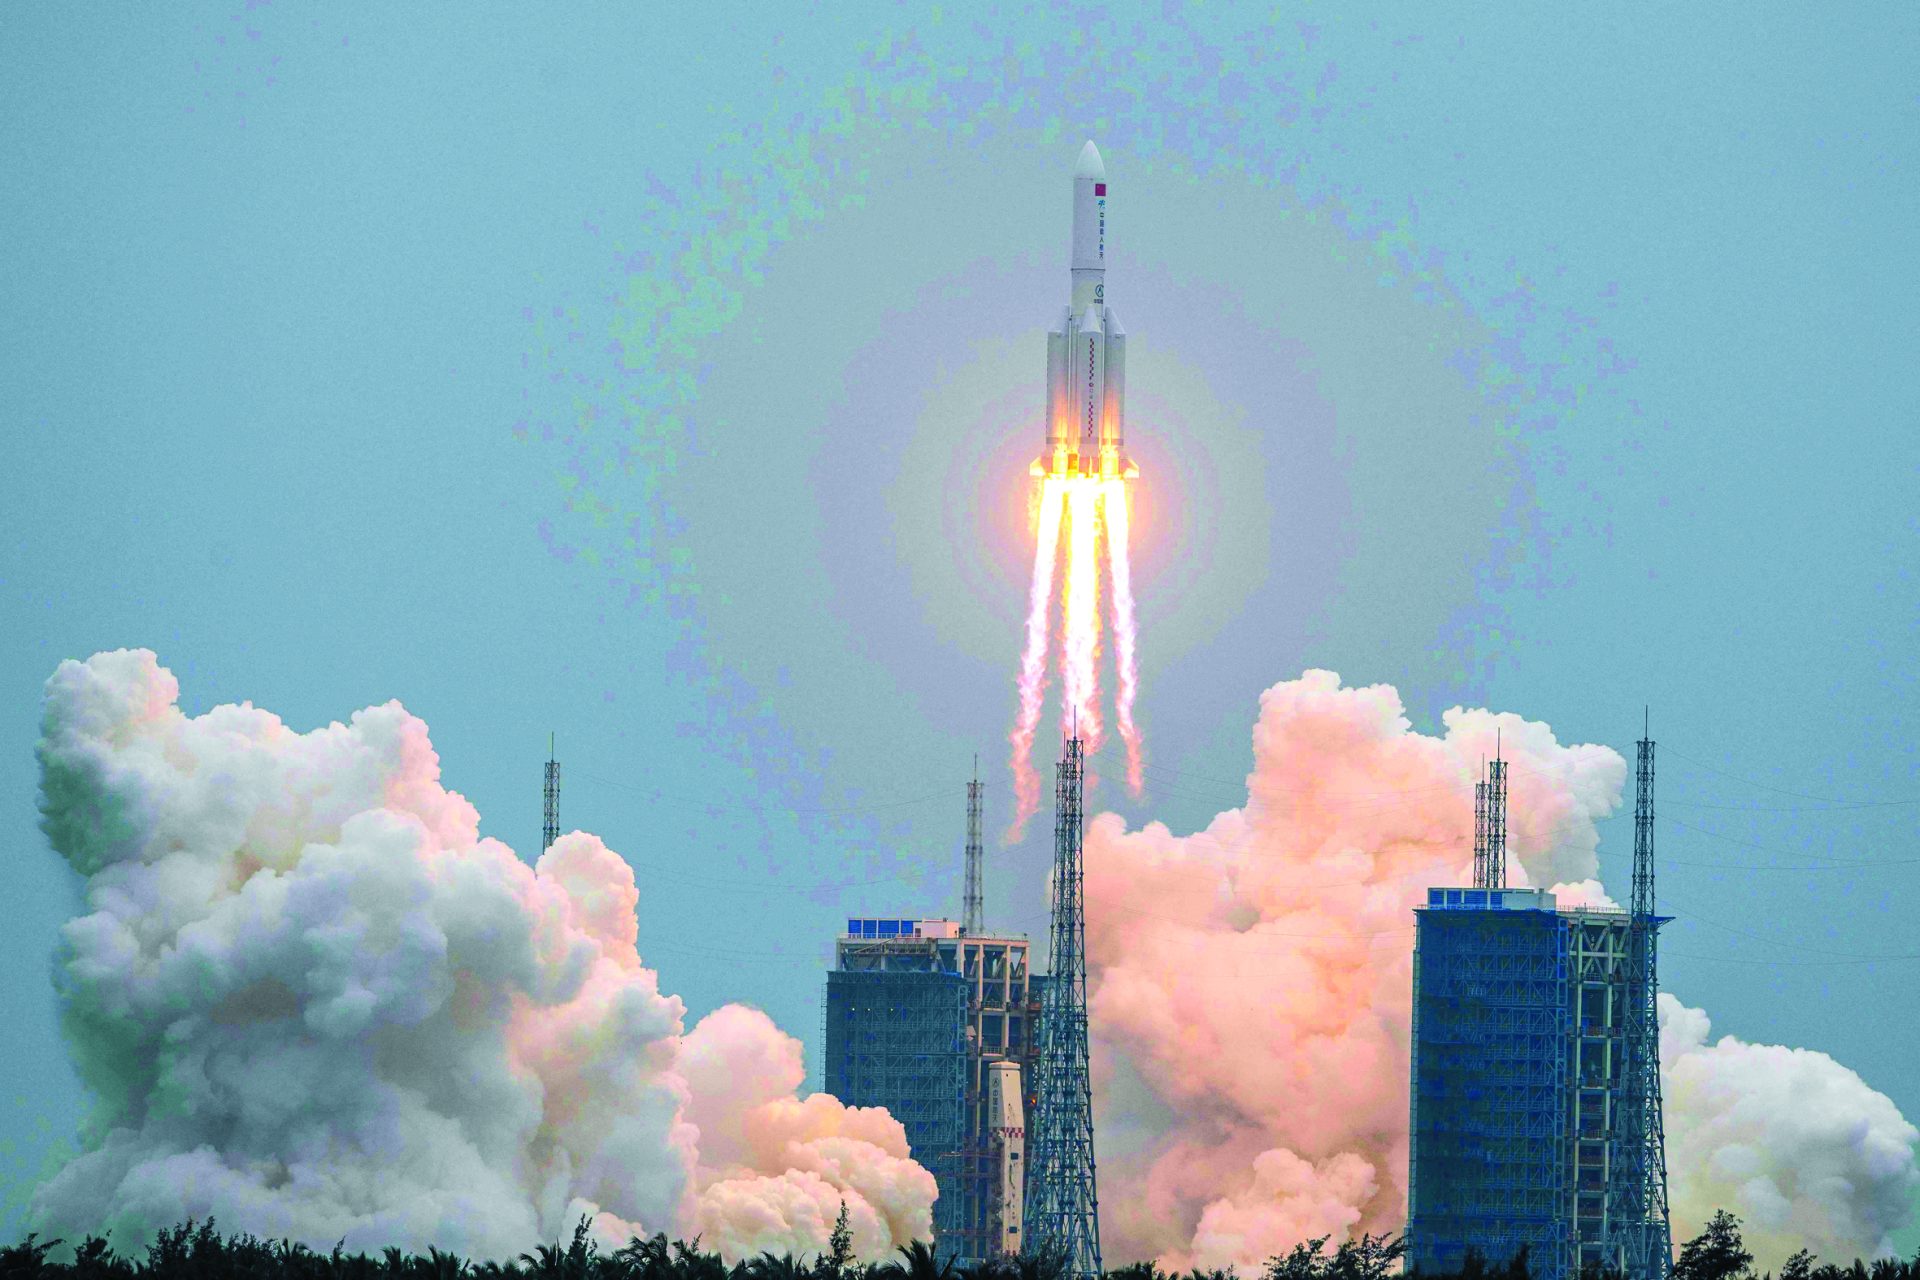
(936, 1025)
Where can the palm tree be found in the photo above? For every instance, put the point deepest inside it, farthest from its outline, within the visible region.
(770, 1266)
(691, 1263)
(440, 1266)
(546, 1260)
(1048, 1264)
(917, 1261)
(650, 1259)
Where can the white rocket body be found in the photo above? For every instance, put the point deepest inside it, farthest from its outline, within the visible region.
(1007, 1116)
(1087, 353)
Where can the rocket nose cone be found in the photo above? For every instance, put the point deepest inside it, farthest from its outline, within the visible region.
(1089, 165)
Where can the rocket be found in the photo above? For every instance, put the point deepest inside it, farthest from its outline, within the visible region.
(1087, 352)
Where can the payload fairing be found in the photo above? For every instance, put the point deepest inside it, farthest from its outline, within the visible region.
(1087, 353)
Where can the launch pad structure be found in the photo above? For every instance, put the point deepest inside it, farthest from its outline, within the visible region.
(936, 1021)
(926, 1020)
(1535, 1095)
(984, 1062)
(1063, 1202)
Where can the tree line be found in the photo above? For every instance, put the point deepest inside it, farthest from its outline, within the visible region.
(199, 1251)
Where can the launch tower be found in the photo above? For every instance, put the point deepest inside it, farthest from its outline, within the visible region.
(1535, 1091)
(1063, 1204)
(936, 1020)
(1642, 1238)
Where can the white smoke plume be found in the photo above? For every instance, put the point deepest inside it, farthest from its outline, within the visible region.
(775, 1167)
(1251, 984)
(1798, 1146)
(313, 1003)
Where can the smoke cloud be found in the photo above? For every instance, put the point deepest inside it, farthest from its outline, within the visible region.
(1251, 991)
(1794, 1143)
(312, 1002)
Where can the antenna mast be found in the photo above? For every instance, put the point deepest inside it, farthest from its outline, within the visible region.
(1649, 1226)
(1497, 821)
(1480, 830)
(972, 907)
(550, 827)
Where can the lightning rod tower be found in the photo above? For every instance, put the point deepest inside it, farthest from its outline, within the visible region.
(1480, 830)
(1063, 1204)
(972, 908)
(1497, 821)
(1490, 826)
(1646, 1243)
(550, 826)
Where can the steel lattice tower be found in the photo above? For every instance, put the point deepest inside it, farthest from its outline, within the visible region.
(1645, 1243)
(1490, 827)
(972, 909)
(1497, 823)
(1480, 833)
(550, 826)
(1063, 1205)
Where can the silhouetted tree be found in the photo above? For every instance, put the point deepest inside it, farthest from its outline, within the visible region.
(917, 1261)
(835, 1262)
(197, 1250)
(1043, 1264)
(772, 1266)
(1370, 1257)
(1717, 1253)
(1303, 1262)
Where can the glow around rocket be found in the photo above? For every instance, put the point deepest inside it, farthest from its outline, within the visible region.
(1080, 509)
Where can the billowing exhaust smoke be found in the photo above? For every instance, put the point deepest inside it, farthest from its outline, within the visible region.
(312, 1002)
(1251, 988)
(1788, 1139)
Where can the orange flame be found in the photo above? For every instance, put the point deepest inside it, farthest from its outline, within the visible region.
(1084, 505)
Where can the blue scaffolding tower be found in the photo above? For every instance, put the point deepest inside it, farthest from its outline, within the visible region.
(896, 1038)
(1491, 1077)
(918, 1014)
(1535, 1091)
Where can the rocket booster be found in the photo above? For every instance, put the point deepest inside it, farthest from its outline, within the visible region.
(1087, 352)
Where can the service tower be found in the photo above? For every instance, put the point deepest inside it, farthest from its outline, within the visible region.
(1534, 1122)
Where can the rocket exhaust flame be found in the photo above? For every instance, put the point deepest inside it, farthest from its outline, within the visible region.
(1114, 503)
(1033, 663)
(1080, 614)
(1083, 477)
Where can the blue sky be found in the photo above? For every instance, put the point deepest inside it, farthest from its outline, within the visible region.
(662, 381)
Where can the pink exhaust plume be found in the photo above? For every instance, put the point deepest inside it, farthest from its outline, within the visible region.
(1033, 662)
(1094, 514)
(1126, 667)
(314, 1003)
(1080, 618)
(1250, 988)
